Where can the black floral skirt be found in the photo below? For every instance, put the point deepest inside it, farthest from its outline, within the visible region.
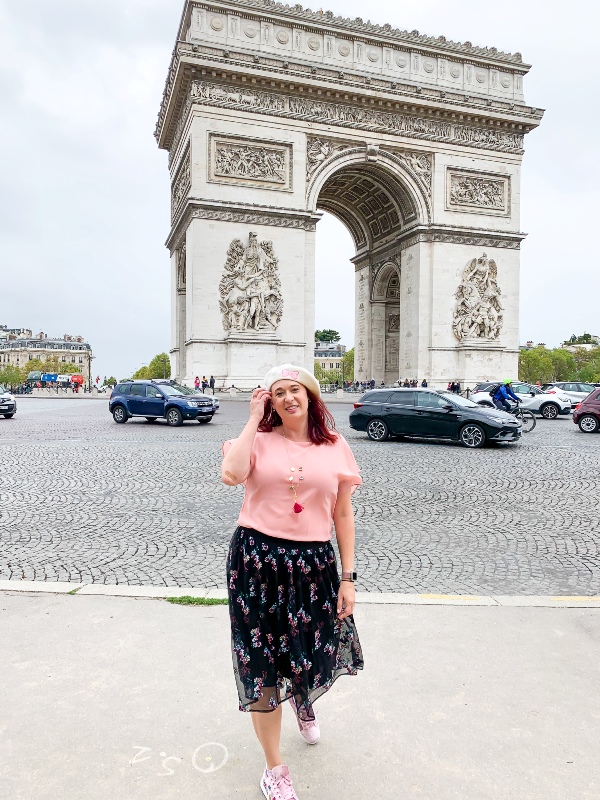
(286, 637)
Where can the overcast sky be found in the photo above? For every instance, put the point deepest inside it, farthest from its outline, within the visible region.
(84, 191)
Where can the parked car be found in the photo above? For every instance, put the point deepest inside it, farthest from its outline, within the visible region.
(8, 403)
(426, 413)
(576, 392)
(153, 399)
(532, 397)
(587, 415)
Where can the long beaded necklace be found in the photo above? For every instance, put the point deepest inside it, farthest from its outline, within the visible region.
(297, 507)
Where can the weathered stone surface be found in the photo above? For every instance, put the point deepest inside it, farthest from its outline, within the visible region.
(272, 114)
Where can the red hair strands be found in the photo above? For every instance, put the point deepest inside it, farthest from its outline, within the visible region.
(321, 425)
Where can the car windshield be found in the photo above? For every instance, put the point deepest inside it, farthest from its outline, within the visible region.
(458, 400)
(170, 390)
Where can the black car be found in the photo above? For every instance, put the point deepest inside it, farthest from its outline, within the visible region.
(426, 413)
(152, 399)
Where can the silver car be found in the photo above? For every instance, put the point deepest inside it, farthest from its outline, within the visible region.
(576, 392)
(532, 398)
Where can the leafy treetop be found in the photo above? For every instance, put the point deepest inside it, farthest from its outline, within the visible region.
(327, 335)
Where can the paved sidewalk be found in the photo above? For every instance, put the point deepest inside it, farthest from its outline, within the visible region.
(122, 698)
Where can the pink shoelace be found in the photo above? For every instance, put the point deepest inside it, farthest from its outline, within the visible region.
(284, 788)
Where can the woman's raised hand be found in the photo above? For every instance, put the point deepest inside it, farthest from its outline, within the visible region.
(258, 401)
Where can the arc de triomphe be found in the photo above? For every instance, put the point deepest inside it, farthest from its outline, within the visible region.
(272, 113)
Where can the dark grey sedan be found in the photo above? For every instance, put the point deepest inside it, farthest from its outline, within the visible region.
(429, 414)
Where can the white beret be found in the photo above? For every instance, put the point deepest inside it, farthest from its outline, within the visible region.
(291, 372)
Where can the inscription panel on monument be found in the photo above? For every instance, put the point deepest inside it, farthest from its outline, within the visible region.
(250, 162)
(477, 192)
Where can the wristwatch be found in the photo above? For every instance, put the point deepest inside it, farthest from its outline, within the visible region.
(349, 576)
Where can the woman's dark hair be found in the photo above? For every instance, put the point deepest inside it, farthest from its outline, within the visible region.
(321, 425)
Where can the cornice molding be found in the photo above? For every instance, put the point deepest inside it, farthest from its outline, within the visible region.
(238, 212)
(301, 17)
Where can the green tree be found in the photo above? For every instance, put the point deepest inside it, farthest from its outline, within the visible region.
(535, 365)
(142, 374)
(585, 338)
(10, 376)
(160, 366)
(327, 335)
(348, 359)
(110, 381)
(563, 364)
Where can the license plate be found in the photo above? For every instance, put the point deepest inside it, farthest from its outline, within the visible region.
(3, 408)
(205, 410)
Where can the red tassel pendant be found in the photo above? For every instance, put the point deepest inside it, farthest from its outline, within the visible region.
(298, 508)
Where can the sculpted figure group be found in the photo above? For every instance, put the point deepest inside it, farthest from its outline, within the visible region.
(478, 310)
(250, 288)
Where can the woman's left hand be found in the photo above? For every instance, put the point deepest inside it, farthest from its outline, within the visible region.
(346, 599)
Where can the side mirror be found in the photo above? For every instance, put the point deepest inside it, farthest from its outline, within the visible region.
(448, 407)
(532, 394)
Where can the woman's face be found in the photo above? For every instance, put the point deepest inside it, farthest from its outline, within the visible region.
(290, 400)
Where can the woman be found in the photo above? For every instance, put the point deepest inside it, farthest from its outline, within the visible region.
(196, 383)
(292, 628)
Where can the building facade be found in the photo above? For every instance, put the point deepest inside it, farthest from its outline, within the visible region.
(271, 115)
(17, 350)
(329, 355)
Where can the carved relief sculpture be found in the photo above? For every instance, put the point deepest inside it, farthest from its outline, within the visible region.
(317, 152)
(250, 162)
(477, 192)
(181, 183)
(478, 310)
(250, 289)
(265, 165)
(181, 267)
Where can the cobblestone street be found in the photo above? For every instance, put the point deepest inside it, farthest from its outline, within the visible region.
(84, 499)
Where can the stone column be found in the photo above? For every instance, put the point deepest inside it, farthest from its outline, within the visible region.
(377, 342)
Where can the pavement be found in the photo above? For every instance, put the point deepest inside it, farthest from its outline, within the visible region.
(84, 500)
(116, 697)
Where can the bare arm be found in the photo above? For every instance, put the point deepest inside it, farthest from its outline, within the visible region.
(343, 519)
(236, 463)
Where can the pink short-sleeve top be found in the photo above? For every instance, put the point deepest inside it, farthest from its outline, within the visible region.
(327, 470)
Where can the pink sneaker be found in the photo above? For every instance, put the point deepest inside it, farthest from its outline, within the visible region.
(309, 729)
(276, 784)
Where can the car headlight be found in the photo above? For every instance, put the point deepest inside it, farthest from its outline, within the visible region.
(501, 420)
(192, 403)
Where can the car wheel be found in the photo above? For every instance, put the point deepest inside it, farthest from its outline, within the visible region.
(472, 436)
(151, 419)
(549, 411)
(174, 417)
(120, 414)
(9, 416)
(377, 430)
(589, 424)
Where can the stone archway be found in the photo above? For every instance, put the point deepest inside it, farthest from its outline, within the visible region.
(272, 114)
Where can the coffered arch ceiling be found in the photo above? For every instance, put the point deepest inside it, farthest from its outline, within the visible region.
(372, 203)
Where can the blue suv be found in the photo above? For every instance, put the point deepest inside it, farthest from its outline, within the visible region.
(154, 399)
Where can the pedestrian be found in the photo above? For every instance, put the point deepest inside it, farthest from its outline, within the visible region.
(292, 627)
(204, 384)
(424, 383)
(457, 387)
(196, 383)
(406, 383)
(211, 383)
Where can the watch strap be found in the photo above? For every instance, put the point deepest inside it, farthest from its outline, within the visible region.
(349, 576)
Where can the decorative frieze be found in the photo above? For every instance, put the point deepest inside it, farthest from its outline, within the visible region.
(478, 192)
(250, 289)
(246, 162)
(478, 310)
(181, 183)
(352, 116)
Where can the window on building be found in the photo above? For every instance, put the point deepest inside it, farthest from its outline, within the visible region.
(63, 358)
(80, 360)
(72, 359)
(30, 357)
